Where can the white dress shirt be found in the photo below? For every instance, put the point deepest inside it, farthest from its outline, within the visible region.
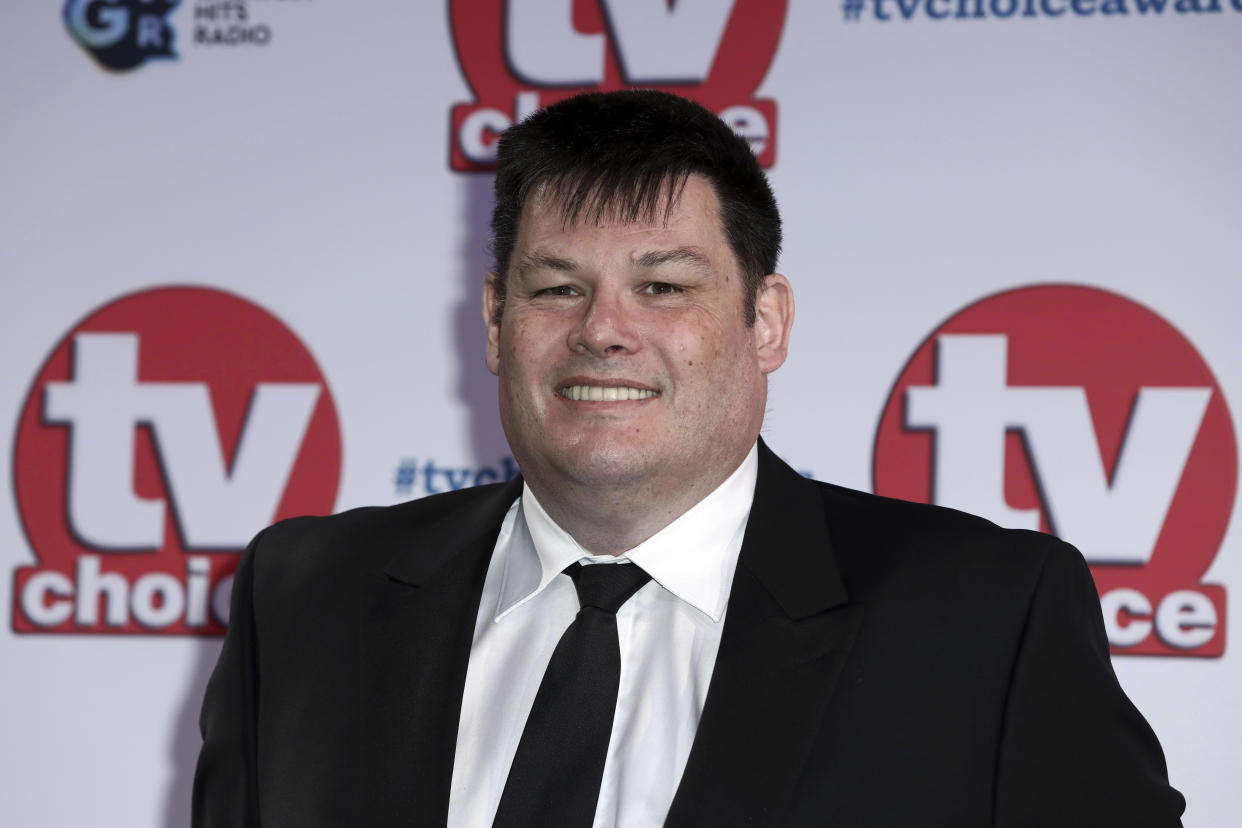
(669, 633)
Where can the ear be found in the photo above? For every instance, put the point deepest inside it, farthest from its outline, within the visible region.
(492, 307)
(774, 315)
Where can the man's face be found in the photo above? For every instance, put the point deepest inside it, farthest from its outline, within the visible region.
(623, 355)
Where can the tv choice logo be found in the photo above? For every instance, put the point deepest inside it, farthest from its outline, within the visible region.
(122, 34)
(1077, 411)
(162, 432)
(523, 54)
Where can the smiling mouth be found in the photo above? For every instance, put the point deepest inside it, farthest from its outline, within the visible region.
(605, 393)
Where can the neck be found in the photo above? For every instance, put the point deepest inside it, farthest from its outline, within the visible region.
(613, 520)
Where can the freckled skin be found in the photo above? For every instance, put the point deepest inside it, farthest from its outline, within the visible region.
(612, 474)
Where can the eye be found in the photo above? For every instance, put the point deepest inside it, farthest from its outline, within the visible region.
(661, 289)
(556, 290)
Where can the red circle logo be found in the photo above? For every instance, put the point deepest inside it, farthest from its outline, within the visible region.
(524, 54)
(1077, 411)
(162, 432)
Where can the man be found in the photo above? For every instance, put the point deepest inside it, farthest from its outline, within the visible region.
(801, 655)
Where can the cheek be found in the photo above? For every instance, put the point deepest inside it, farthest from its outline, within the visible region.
(526, 355)
(519, 344)
(516, 340)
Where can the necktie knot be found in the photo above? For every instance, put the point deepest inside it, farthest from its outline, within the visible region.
(606, 586)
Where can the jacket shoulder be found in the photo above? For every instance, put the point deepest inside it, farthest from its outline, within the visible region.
(878, 537)
(314, 552)
(371, 522)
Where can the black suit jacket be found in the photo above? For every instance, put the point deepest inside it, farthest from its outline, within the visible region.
(882, 664)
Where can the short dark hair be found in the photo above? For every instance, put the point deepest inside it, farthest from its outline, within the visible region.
(628, 154)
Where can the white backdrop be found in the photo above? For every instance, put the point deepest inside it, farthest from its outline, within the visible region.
(298, 155)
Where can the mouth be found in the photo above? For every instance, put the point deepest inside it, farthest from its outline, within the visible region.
(605, 393)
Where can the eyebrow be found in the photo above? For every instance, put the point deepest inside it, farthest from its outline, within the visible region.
(686, 255)
(692, 256)
(540, 261)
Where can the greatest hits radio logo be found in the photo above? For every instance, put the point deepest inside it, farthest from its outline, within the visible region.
(1079, 412)
(162, 432)
(122, 34)
(519, 55)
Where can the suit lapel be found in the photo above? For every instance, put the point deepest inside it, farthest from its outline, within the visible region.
(787, 632)
(418, 618)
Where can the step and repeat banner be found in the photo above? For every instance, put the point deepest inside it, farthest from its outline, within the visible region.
(243, 244)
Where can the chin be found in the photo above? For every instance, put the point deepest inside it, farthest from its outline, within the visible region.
(606, 466)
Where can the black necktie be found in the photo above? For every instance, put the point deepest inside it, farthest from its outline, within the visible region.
(556, 773)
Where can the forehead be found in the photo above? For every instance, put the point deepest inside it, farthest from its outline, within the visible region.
(687, 215)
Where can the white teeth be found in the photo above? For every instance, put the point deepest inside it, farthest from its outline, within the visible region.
(610, 393)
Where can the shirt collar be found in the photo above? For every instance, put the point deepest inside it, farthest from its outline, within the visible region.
(693, 557)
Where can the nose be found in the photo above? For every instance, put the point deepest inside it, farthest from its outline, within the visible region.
(607, 327)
